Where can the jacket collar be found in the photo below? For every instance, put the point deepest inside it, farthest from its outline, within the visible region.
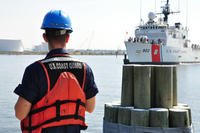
(55, 52)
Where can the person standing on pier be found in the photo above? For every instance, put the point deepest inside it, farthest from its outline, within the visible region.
(56, 91)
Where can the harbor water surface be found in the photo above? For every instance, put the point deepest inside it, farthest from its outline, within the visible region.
(108, 76)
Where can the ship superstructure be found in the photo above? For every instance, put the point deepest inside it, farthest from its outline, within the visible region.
(157, 42)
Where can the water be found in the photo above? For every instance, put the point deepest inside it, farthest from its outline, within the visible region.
(108, 75)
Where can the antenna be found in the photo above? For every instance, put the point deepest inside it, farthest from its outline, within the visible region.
(140, 11)
(186, 13)
(155, 5)
(178, 5)
(166, 11)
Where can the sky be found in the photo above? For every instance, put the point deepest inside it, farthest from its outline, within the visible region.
(97, 24)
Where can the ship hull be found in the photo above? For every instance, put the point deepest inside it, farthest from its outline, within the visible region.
(160, 54)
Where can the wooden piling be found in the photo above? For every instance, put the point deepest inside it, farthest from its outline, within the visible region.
(178, 118)
(124, 115)
(142, 85)
(153, 88)
(185, 107)
(111, 113)
(140, 117)
(164, 86)
(158, 117)
(175, 86)
(127, 86)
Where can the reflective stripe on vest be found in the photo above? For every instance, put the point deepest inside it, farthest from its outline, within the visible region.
(64, 104)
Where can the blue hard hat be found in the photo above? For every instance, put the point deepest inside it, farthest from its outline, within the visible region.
(57, 19)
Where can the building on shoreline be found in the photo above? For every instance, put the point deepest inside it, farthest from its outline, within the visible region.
(8, 45)
(43, 47)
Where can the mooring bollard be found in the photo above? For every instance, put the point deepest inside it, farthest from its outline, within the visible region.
(164, 86)
(127, 86)
(140, 117)
(158, 117)
(142, 87)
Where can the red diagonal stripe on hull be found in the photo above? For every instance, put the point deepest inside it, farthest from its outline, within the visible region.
(155, 52)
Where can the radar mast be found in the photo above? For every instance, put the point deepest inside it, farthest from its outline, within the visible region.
(166, 11)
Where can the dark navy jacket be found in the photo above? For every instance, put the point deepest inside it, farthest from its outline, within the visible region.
(34, 87)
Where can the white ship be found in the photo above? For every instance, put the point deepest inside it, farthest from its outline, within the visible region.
(156, 42)
(7, 45)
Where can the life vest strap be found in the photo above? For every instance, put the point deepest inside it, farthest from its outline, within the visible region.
(58, 108)
(58, 117)
(30, 123)
(77, 108)
(54, 120)
(56, 104)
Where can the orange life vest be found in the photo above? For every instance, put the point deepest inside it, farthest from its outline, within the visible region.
(64, 104)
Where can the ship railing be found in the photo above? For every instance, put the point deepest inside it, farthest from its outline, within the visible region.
(195, 46)
(138, 39)
(145, 40)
